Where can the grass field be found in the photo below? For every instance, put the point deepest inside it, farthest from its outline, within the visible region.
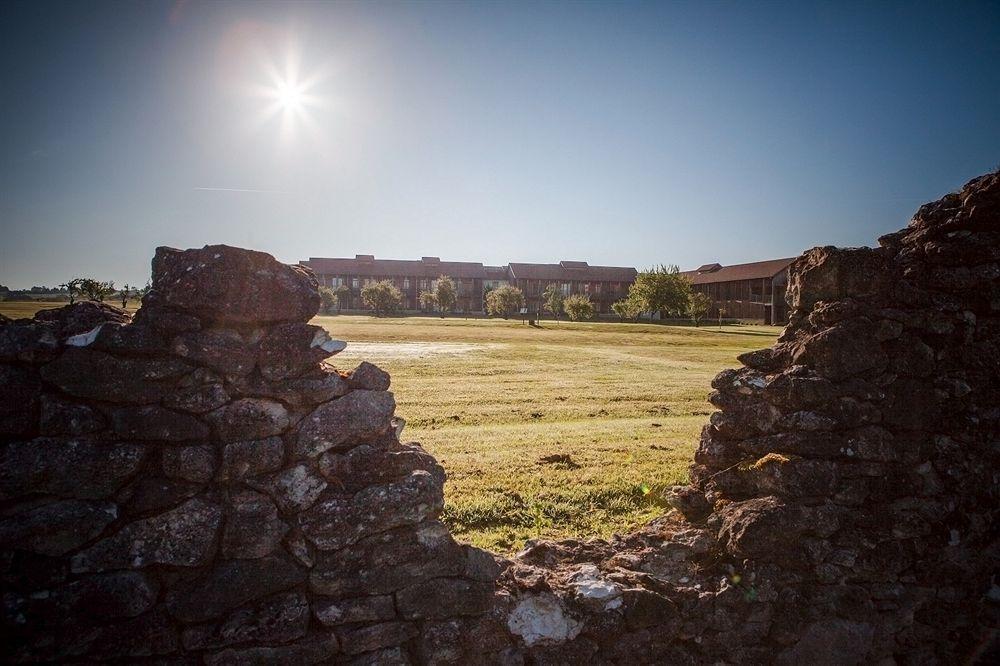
(563, 430)
(567, 429)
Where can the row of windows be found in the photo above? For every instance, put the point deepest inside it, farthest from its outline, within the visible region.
(463, 287)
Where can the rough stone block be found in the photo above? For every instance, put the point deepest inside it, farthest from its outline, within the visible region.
(230, 584)
(249, 418)
(340, 521)
(358, 416)
(241, 460)
(253, 528)
(182, 537)
(81, 468)
(226, 284)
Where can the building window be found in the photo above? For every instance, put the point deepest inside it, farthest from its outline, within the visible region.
(406, 284)
(565, 288)
(354, 282)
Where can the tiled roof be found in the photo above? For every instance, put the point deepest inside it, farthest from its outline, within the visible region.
(497, 272)
(752, 271)
(572, 270)
(368, 266)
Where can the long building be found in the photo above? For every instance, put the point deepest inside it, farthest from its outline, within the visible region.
(754, 291)
(603, 284)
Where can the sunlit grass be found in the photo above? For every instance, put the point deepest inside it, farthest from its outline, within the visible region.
(624, 402)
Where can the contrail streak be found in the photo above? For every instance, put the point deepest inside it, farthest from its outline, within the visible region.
(234, 189)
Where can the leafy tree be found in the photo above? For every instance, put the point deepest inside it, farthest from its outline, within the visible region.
(73, 289)
(96, 290)
(446, 294)
(626, 309)
(342, 292)
(141, 293)
(328, 300)
(578, 307)
(504, 301)
(124, 294)
(382, 296)
(697, 307)
(661, 289)
(552, 299)
(722, 313)
(428, 300)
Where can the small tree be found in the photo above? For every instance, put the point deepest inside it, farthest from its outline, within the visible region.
(124, 294)
(504, 301)
(722, 313)
(697, 307)
(96, 290)
(428, 301)
(342, 292)
(446, 294)
(660, 289)
(627, 309)
(73, 289)
(328, 300)
(382, 297)
(578, 307)
(552, 299)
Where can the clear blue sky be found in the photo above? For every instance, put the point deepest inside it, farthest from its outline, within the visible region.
(616, 133)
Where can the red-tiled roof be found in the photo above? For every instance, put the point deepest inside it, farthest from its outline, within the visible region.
(572, 270)
(752, 271)
(362, 266)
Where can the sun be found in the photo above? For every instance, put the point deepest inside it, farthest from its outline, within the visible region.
(292, 98)
(289, 95)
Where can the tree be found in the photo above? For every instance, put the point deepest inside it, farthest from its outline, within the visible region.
(328, 300)
(697, 307)
(342, 292)
(578, 307)
(722, 313)
(504, 301)
(73, 288)
(382, 296)
(446, 294)
(626, 309)
(124, 294)
(428, 300)
(661, 289)
(96, 290)
(552, 299)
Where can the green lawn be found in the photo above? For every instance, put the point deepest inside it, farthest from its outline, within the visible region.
(563, 430)
(492, 400)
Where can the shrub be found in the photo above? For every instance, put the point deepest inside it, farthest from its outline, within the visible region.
(553, 299)
(504, 301)
(446, 294)
(697, 307)
(626, 309)
(428, 300)
(578, 307)
(660, 289)
(328, 300)
(382, 296)
(95, 290)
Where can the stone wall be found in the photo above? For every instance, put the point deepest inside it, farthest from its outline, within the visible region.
(195, 486)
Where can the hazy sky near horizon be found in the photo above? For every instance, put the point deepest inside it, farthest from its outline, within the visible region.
(616, 133)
